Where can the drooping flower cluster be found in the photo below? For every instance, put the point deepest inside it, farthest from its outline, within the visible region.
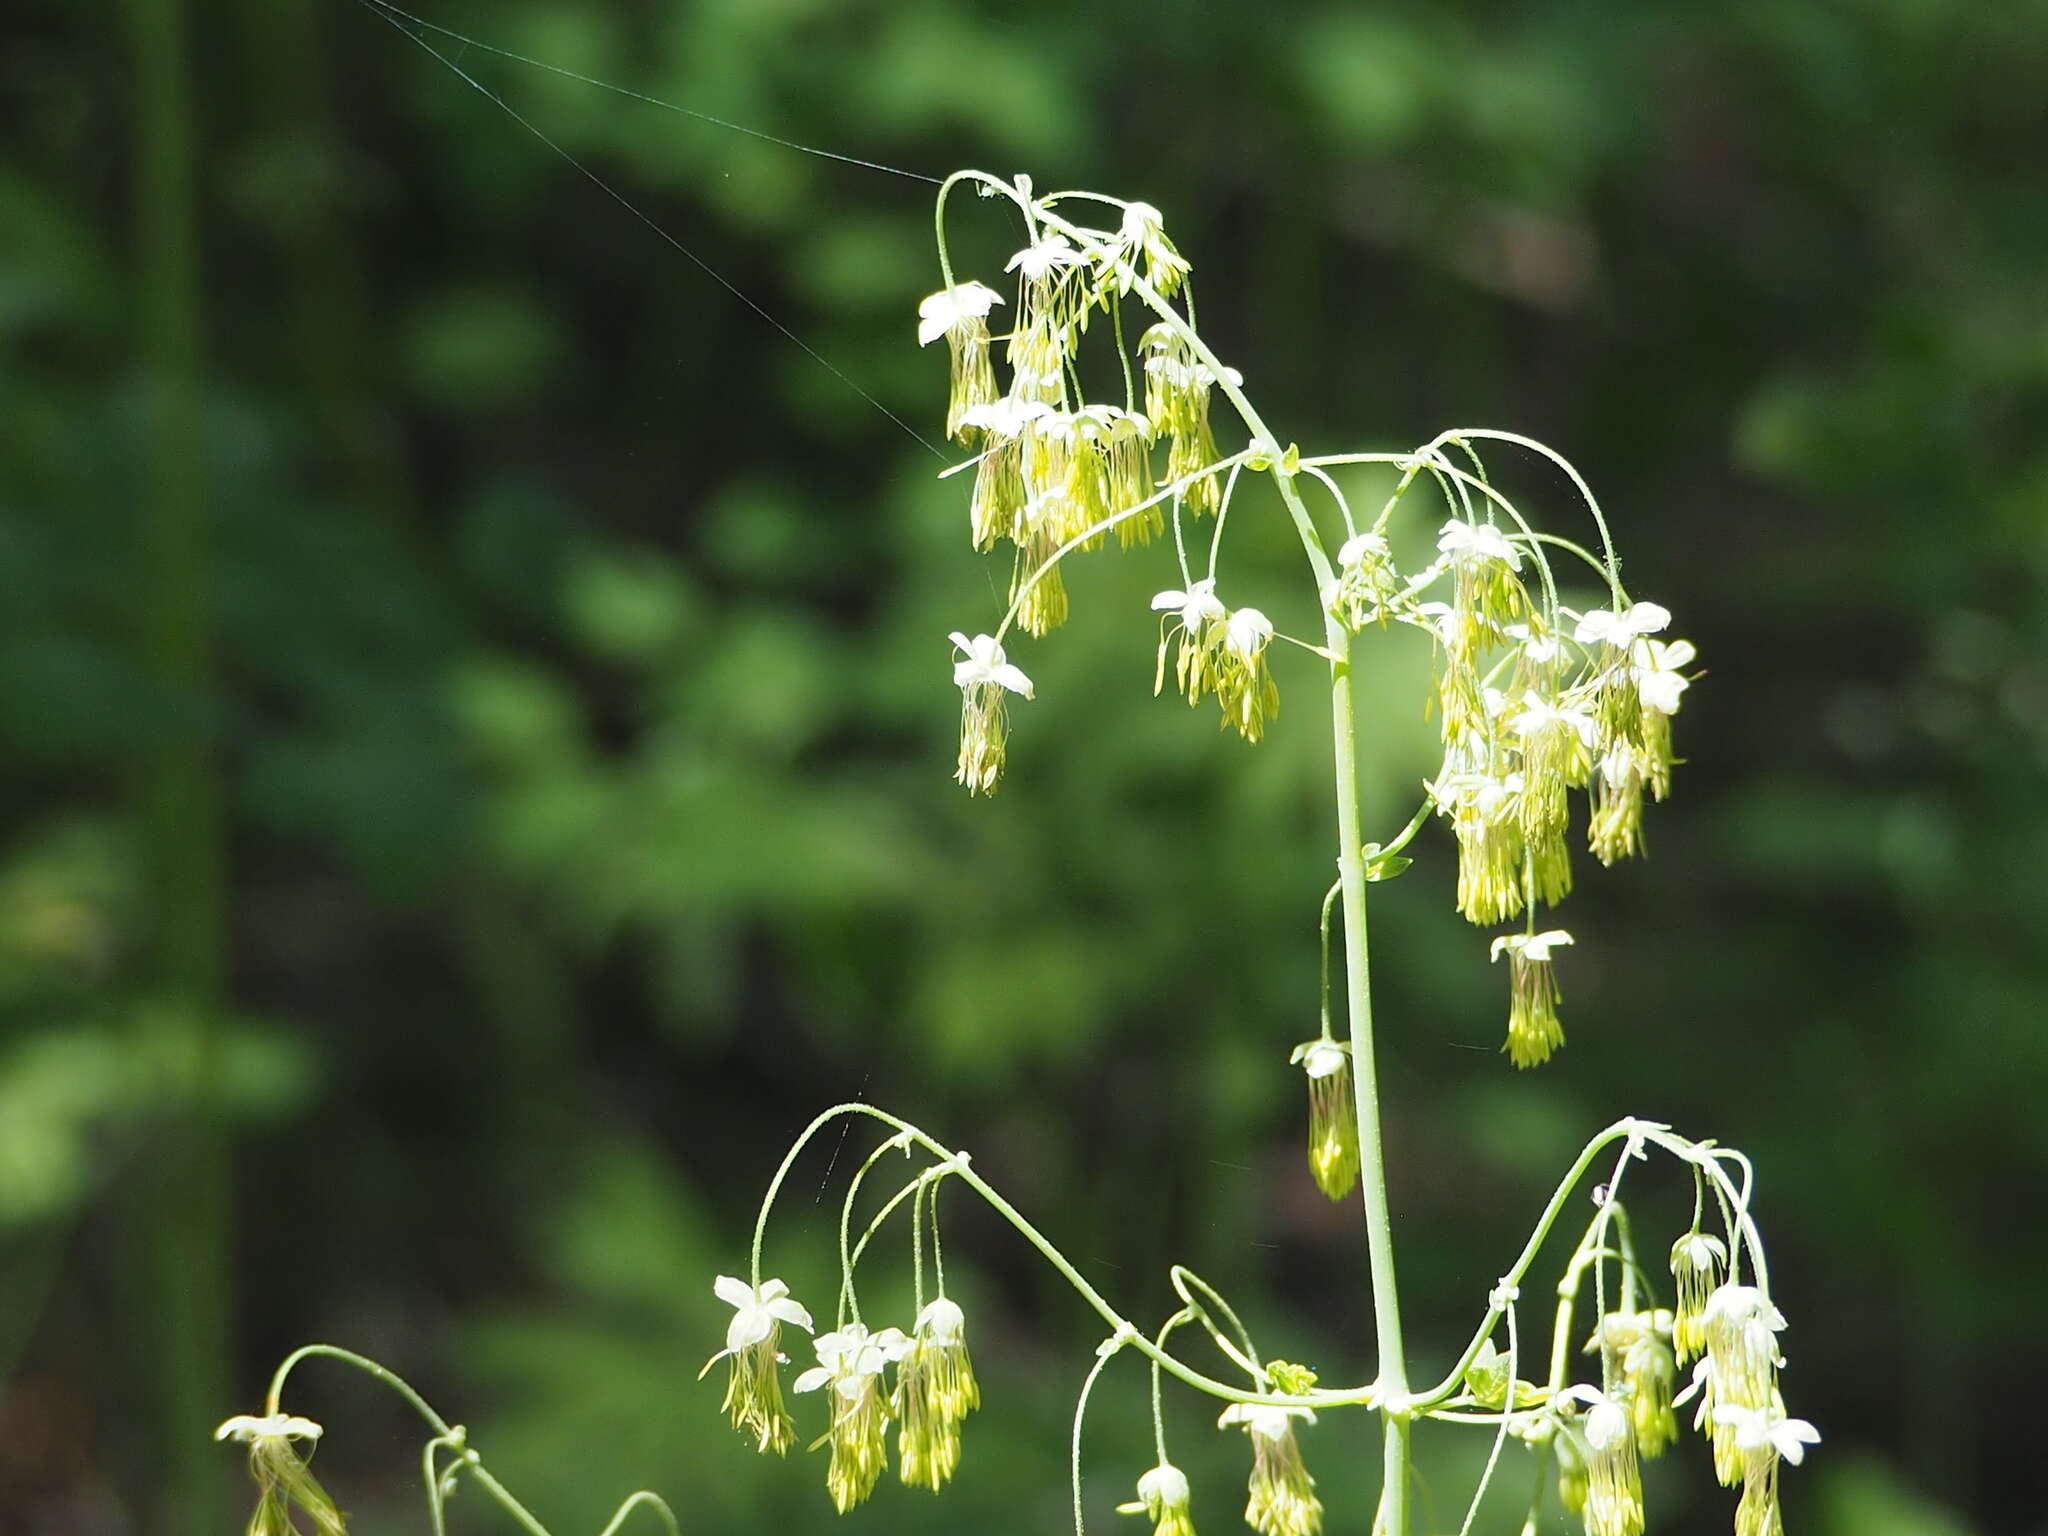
(933, 1392)
(1534, 701)
(1220, 651)
(1600, 1473)
(1734, 1330)
(1054, 471)
(851, 1362)
(1636, 1355)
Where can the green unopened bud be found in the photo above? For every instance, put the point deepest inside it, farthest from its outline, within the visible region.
(1486, 1378)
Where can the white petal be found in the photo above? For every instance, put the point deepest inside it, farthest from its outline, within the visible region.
(811, 1380)
(791, 1311)
(1163, 602)
(1646, 618)
(1792, 1437)
(1012, 678)
(942, 1320)
(734, 1293)
(749, 1326)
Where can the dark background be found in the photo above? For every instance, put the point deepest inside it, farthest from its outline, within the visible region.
(475, 724)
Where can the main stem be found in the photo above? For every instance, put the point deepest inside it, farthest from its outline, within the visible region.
(1396, 1412)
(1379, 1232)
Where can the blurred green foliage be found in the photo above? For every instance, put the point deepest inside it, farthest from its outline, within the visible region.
(582, 715)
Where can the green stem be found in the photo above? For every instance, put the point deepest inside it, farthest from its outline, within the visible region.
(1102, 1358)
(1372, 1167)
(957, 1165)
(454, 1439)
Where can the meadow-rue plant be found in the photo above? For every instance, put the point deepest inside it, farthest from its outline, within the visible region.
(1539, 705)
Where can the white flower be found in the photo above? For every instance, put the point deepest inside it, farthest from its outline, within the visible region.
(272, 1426)
(756, 1312)
(1142, 224)
(850, 1357)
(1476, 542)
(1759, 1428)
(1321, 1058)
(947, 309)
(1534, 948)
(1744, 1307)
(1165, 1483)
(942, 1321)
(1619, 628)
(1267, 1420)
(1537, 713)
(1360, 547)
(1197, 606)
(984, 665)
(1700, 1251)
(1004, 418)
(1043, 259)
(1539, 646)
(1247, 631)
(1606, 1423)
(1702, 1382)
(1658, 679)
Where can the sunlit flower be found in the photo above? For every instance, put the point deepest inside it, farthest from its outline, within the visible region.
(1332, 1115)
(753, 1393)
(1163, 1495)
(1607, 626)
(1533, 1029)
(1615, 829)
(1144, 229)
(1052, 253)
(1614, 1486)
(1486, 819)
(1476, 543)
(283, 1480)
(984, 677)
(1487, 595)
(1635, 1353)
(960, 314)
(1763, 1437)
(1698, 1261)
(851, 1361)
(1658, 678)
(935, 1391)
(1557, 756)
(1282, 1499)
(1761, 1429)
(1243, 681)
(1198, 617)
(1177, 386)
(1366, 581)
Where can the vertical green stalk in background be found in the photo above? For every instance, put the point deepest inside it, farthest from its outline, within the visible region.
(181, 1204)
